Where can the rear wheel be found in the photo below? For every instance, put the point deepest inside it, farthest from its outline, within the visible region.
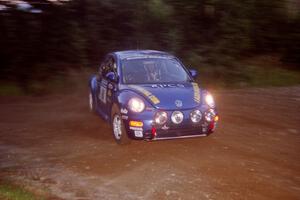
(118, 129)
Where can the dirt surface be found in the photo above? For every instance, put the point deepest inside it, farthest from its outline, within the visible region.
(55, 145)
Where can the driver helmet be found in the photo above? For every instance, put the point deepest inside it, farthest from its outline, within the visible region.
(151, 69)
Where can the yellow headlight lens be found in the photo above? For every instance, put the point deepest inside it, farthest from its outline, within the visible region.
(136, 123)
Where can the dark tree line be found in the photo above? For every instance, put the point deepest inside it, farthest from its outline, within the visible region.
(75, 34)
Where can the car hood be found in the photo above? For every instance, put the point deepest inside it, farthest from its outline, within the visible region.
(169, 96)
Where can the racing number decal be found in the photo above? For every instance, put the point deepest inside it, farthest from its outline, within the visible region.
(102, 95)
(103, 91)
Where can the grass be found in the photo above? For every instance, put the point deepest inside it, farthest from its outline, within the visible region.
(13, 192)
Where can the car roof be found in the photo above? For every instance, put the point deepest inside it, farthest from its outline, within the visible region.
(131, 54)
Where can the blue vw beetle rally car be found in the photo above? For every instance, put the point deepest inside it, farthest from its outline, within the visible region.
(150, 95)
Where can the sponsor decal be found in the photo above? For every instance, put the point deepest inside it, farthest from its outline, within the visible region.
(138, 133)
(196, 92)
(148, 94)
(136, 128)
(167, 85)
(148, 56)
(124, 110)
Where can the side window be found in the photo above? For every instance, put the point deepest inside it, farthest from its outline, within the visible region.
(112, 65)
(102, 69)
(108, 65)
(111, 68)
(108, 68)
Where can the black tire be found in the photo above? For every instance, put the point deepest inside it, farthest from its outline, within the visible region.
(121, 138)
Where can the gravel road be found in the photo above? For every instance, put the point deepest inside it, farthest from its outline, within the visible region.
(53, 144)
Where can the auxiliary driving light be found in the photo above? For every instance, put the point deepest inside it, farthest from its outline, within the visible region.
(177, 117)
(196, 116)
(210, 115)
(161, 117)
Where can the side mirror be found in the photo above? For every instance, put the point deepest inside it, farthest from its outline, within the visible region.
(111, 76)
(193, 73)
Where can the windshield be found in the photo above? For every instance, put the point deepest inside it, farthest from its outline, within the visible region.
(153, 70)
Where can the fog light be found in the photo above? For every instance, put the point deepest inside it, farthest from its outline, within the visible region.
(160, 117)
(177, 117)
(210, 115)
(196, 116)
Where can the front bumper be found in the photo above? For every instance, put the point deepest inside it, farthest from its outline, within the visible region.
(186, 129)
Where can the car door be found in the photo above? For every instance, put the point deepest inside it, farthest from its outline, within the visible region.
(102, 87)
(107, 85)
(112, 84)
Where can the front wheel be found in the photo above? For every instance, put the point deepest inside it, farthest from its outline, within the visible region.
(118, 128)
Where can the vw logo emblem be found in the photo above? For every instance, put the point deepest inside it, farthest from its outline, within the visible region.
(178, 103)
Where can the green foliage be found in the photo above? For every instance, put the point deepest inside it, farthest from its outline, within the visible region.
(9, 192)
(241, 74)
(76, 34)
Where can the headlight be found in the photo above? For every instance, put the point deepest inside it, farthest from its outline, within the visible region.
(209, 100)
(177, 117)
(136, 105)
(196, 116)
(161, 117)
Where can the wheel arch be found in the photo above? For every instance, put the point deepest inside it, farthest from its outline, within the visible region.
(93, 84)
